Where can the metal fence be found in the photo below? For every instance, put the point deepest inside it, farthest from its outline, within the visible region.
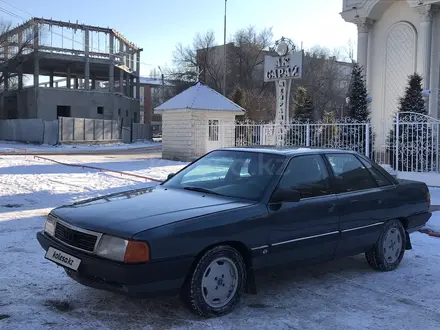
(409, 142)
(88, 130)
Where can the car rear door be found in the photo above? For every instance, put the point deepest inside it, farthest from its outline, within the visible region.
(359, 202)
(306, 230)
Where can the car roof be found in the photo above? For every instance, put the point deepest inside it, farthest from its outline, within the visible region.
(286, 151)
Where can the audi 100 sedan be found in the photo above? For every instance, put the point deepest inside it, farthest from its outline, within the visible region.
(206, 230)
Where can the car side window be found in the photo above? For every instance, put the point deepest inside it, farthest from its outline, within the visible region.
(308, 175)
(382, 180)
(350, 173)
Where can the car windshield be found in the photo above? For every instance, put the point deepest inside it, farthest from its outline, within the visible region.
(229, 173)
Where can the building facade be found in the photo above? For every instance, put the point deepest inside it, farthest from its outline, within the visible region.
(396, 38)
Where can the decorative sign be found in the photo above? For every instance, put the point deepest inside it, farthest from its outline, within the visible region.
(283, 67)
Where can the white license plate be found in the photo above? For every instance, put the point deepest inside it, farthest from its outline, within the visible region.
(63, 259)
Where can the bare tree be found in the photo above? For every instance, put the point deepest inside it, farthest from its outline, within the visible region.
(14, 43)
(326, 80)
(200, 61)
(259, 104)
(248, 56)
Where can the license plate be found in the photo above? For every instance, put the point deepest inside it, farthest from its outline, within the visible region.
(62, 258)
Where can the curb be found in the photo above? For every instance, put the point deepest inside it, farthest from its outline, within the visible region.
(99, 169)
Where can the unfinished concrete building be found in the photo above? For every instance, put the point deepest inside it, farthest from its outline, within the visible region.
(69, 70)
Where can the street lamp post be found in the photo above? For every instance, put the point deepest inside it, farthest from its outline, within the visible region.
(224, 53)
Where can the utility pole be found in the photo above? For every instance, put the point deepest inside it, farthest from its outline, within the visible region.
(224, 54)
(163, 86)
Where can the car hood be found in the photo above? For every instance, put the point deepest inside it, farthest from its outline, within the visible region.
(128, 213)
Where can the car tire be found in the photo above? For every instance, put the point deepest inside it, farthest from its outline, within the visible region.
(216, 284)
(388, 251)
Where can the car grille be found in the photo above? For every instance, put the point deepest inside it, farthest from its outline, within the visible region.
(75, 238)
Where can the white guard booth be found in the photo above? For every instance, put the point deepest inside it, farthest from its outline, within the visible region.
(197, 121)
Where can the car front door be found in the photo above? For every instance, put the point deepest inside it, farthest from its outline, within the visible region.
(306, 230)
(359, 203)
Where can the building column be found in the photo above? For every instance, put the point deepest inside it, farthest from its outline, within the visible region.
(111, 66)
(76, 80)
(87, 59)
(363, 26)
(6, 80)
(93, 82)
(138, 75)
(36, 71)
(51, 80)
(425, 40)
(121, 81)
(127, 84)
(69, 77)
(20, 77)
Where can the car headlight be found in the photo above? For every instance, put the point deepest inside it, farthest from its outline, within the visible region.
(119, 249)
(49, 225)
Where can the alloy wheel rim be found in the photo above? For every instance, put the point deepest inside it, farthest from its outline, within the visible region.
(392, 245)
(219, 282)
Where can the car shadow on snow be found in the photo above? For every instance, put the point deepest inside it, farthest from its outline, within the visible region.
(168, 312)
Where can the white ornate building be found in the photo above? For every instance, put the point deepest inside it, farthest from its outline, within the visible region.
(395, 39)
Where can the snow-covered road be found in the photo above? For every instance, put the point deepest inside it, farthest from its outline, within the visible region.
(345, 294)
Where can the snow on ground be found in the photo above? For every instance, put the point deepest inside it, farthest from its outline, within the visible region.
(344, 294)
(11, 146)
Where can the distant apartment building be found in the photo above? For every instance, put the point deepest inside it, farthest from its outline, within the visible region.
(211, 63)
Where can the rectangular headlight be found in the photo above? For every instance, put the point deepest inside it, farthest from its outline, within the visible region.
(49, 225)
(112, 248)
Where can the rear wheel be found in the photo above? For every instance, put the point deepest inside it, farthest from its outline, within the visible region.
(388, 252)
(217, 282)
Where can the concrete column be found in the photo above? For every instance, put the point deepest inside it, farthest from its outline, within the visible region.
(56, 84)
(363, 26)
(111, 67)
(121, 81)
(127, 84)
(121, 52)
(131, 63)
(93, 82)
(51, 80)
(20, 76)
(69, 77)
(87, 59)
(425, 41)
(138, 74)
(36, 70)
(6, 80)
(76, 83)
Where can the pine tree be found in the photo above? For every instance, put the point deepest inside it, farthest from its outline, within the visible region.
(358, 106)
(302, 114)
(413, 100)
(353, 135)
(303, 105)
(414, 135)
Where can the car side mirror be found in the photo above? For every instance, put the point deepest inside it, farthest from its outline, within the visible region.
(285, 196)
(170, 175)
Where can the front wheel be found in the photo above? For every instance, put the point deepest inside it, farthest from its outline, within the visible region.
(217, 282)
(388, 252)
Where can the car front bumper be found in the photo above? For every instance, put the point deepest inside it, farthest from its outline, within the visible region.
(154, 278)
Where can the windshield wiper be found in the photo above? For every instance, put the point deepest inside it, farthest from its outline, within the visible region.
(200, 189)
